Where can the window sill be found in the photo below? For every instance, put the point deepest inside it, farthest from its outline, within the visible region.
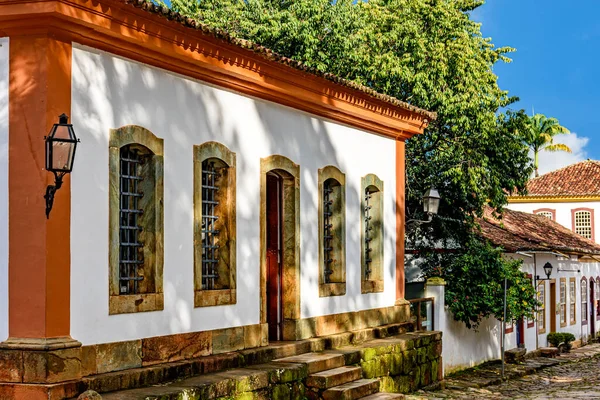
(563, 324)
(332, 289)
(372, 286)
(211, 298)
(133, 303)
(541, 331)
(573, 322)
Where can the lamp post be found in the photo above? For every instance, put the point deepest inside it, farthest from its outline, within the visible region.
(431, 204)
(61, 144)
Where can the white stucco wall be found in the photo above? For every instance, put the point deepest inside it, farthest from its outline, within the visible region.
(109, 92)
(4, 42)
(565, 268)
(563, 212)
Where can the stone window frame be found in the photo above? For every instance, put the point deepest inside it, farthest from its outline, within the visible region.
(584, 299)
(215, 297)
(376, 282)
(142, 302)
(572, 301)
(545, 211)
(562, 293)
(574, 225)
(291, 254)
(338, 287)
(530, 321)
(541, 296)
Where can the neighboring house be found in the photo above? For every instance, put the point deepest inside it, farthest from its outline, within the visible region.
(570, 298)
(569, 196)
(222, 196)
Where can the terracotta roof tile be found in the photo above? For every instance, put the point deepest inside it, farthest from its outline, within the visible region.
(271, 55)
(519, 231)
(580, 179)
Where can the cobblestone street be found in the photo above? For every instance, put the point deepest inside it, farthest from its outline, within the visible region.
(571, 380)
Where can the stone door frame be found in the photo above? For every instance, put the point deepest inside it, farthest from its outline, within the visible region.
(290, 172)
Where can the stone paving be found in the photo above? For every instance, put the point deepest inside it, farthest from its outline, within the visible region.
(575, 375)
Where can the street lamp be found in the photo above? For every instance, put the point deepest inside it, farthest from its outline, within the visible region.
(61, 144)
(431, 204)
(548, 270)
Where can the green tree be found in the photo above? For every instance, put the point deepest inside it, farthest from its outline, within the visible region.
(428, 53)
(539, 136)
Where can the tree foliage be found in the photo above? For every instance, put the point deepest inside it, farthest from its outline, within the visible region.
(539, 136)
(428, 53)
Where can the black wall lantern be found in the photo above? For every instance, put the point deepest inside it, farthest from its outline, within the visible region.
(61, 144)
(547, 270)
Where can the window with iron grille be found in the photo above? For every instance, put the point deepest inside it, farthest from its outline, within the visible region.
(597, 297)
(372, 234)
(214, 225)
(131, 254)
(135, 220)
(332, 232)
(583, 223)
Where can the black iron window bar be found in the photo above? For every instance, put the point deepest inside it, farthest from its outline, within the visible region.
(327, 230)
(210, 250)
(368, 238)
(131, 256)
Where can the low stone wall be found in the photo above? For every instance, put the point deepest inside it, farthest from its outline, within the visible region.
(404, 367)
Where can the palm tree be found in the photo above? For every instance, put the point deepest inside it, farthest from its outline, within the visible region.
(539, 136)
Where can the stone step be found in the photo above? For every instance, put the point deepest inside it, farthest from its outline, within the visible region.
(352, 390)
(384, 396)
(316, 362)
(334, 377)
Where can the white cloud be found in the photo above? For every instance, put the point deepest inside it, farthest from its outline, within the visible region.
(549, 161)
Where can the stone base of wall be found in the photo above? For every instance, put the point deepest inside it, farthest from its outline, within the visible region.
(344, 322)
(47, 366)
(33, 361)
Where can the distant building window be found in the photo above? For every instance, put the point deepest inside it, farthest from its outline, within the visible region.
(563, 302)
(597, 295)
(584, 313)
(541, 316)
(546, 212)
(572, 299)
(583, 223)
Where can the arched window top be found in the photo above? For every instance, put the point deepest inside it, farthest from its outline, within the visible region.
(138, 136)
(208, 150)
(372, 183)
(279, 162)
(332, 172)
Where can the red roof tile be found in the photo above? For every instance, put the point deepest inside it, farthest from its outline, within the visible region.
(580, 179)
(519, 231)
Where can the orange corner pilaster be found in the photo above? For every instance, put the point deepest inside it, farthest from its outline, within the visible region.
(400, 219)
(39, 248)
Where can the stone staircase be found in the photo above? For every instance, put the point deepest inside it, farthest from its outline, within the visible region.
(327, 375)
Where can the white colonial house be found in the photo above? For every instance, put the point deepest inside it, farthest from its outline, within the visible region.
(222, 197)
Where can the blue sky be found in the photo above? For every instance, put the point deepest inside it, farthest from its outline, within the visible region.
(556, 68)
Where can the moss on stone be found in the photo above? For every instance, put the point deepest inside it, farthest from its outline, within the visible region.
(281, 392)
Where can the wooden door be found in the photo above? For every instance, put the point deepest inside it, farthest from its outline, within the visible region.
(274, 256)
(552, 306)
